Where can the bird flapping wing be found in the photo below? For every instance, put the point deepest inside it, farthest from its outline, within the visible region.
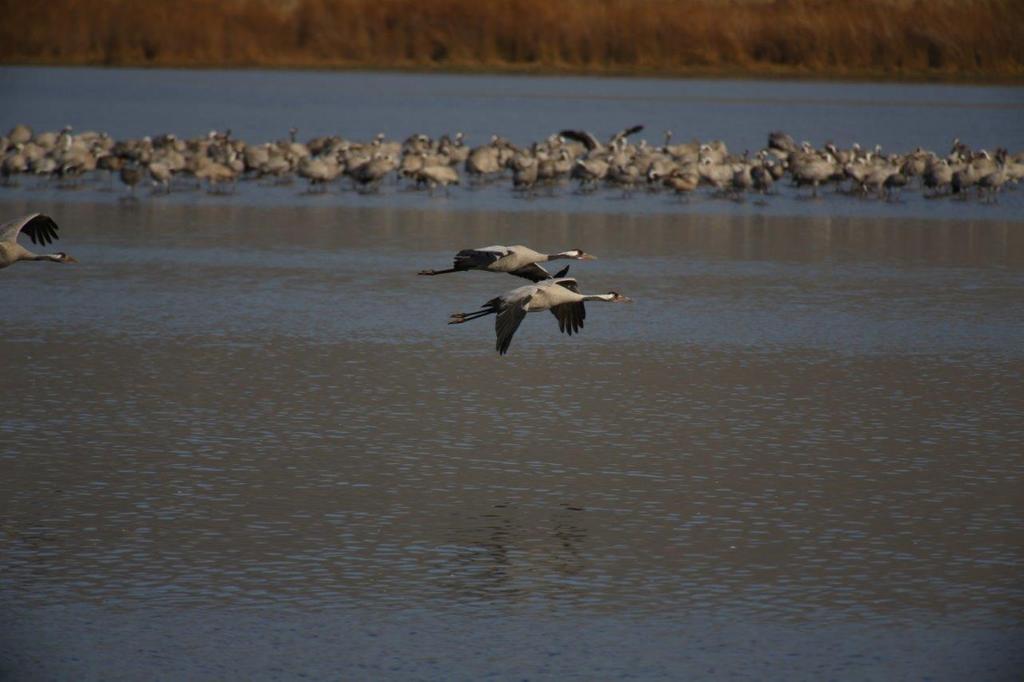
(570, 317)
(41, 229)
(469, 259)
(507, 322)
(569, 283)
(588, 140)
(532, 272)
(627, 132)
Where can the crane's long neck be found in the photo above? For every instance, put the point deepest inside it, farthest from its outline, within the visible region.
(55, 257)
(563, 254)
(598, 297)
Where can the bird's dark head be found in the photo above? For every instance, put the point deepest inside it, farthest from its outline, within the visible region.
(580, 254)
(65, 258)
(616, 297)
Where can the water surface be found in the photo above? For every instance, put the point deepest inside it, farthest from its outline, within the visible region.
(251, 431)
(262, 105)
(238, 440)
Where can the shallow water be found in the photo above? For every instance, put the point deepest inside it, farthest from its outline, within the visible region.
(240, 441)
(242, 428)
(260, 106)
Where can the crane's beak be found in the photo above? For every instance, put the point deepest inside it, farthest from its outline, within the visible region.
(587, 256)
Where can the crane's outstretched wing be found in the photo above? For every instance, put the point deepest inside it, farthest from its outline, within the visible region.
(588, 140)
(471, 259)
(507, 322)
(561, 273)
(569, 283)
(570, 317)
(41, 229)
(627, 132)
(532, 272)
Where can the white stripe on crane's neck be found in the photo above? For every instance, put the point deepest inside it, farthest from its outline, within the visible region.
(599, 297)
(55, 257)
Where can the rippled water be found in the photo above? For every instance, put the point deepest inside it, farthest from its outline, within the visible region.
(802, 438)
(240, 441)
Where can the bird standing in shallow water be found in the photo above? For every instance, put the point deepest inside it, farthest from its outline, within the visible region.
(40, 228)
(561, 296)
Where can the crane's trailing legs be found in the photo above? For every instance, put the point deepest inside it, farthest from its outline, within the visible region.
(458, 318)
(437, 272)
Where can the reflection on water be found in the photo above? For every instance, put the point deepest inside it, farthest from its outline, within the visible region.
(784, 483)
(234, 413)
(836, 205)
(331, 275)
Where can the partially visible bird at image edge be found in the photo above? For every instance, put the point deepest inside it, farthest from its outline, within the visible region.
(41, 229)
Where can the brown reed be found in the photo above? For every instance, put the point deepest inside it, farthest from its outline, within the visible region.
(943, 39)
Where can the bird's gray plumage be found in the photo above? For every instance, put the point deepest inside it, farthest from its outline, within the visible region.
(570, 315)
(561, 296)
(517, 260)
(41, 229)
(510, 316)
(591, 142)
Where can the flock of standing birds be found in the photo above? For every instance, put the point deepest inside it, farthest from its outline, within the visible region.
(558, 293)
(219, 160)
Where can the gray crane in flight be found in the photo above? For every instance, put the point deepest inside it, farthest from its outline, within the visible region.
(516, 260)
(559, 295)
(41, 229)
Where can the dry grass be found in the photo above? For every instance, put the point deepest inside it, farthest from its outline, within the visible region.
(874, 38)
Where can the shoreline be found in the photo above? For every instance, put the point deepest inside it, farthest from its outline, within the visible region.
(548, 71)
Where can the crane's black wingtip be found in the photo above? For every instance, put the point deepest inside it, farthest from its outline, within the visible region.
(40, 228)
